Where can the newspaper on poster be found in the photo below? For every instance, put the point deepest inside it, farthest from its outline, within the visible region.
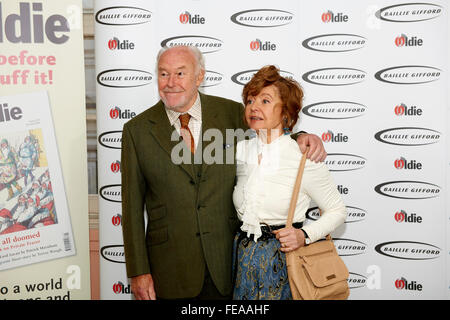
(35, 221)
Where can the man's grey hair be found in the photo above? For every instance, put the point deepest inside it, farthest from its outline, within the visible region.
(200, 60)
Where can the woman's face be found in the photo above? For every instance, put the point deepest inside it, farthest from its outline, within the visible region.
(264, 110)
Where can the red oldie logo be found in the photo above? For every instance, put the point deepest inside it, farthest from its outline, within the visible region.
(402, 216)
(254, 45)
(186, 17)
(400, 109)
(266, 46)
(403, 40)
(116, 113)
(112, 44)
(403, 110)
(120, 288)
(117, 220)
(403, 284)
(329, 136)
(115, 166)
(116, 44)
(329, 16)
(400, 163)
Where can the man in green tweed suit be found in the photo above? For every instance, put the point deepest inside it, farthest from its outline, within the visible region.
(185, 251)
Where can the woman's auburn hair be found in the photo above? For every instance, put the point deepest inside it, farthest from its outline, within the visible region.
(291, 94)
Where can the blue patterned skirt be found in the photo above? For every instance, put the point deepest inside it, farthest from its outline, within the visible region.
(259, 269)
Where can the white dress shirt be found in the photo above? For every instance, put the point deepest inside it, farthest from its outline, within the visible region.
(263, 191)
(195, 122)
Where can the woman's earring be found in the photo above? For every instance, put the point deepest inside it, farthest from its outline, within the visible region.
(286, 129)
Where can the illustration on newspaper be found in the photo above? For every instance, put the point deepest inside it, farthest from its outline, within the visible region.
(34, 215)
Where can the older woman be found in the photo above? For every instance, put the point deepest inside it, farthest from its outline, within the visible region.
(266, 170)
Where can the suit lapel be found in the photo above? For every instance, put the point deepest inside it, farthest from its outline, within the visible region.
(163, 132)
(209, 121)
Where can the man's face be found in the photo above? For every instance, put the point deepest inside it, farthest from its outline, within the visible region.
(177, 79)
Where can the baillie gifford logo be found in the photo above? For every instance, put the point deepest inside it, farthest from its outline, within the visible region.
(404, 41)
(330, 16)
(408, 136)
(258, 45)
(409, 12)
(187, 18)
(408, 250)
(262, 18)
(403, 284)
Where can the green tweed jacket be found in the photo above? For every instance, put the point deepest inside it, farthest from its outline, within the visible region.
(191, 218)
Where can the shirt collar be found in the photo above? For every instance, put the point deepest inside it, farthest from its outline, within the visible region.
(195, 112)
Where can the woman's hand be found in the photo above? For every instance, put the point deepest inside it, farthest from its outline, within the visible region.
(290, 238)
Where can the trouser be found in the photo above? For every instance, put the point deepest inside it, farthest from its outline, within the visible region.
(209, 291)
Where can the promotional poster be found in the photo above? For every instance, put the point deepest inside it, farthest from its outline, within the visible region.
(44, 222)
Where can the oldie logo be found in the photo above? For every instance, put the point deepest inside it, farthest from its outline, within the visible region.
(115, 166)
(262, 18)
(116, 220)
(330, 136)
(335, 42)
(124, 78)
(212, 79)
(122, 15)
(334, 76)
(404, 41)
(348, 247)
(116, 44)
(330, 16)
(113, 253)
(203, 43)
(111, 193)
(111, 139)
(187, 18)
(413, 74)
(356, 280)
(354, 214)
(117, 113)
(258, 45)
(403, 284)
(120, 288)
(408, 250)
(409, 12)
(402, 163)
(344, 162)
(245, 76)
(408, 136)
(402, 216)
(335, 110)
(408, 190)
(403, 110)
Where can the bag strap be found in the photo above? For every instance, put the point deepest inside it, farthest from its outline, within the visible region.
(298, 182)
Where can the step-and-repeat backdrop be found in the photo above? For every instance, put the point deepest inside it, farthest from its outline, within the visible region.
(376, 92)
